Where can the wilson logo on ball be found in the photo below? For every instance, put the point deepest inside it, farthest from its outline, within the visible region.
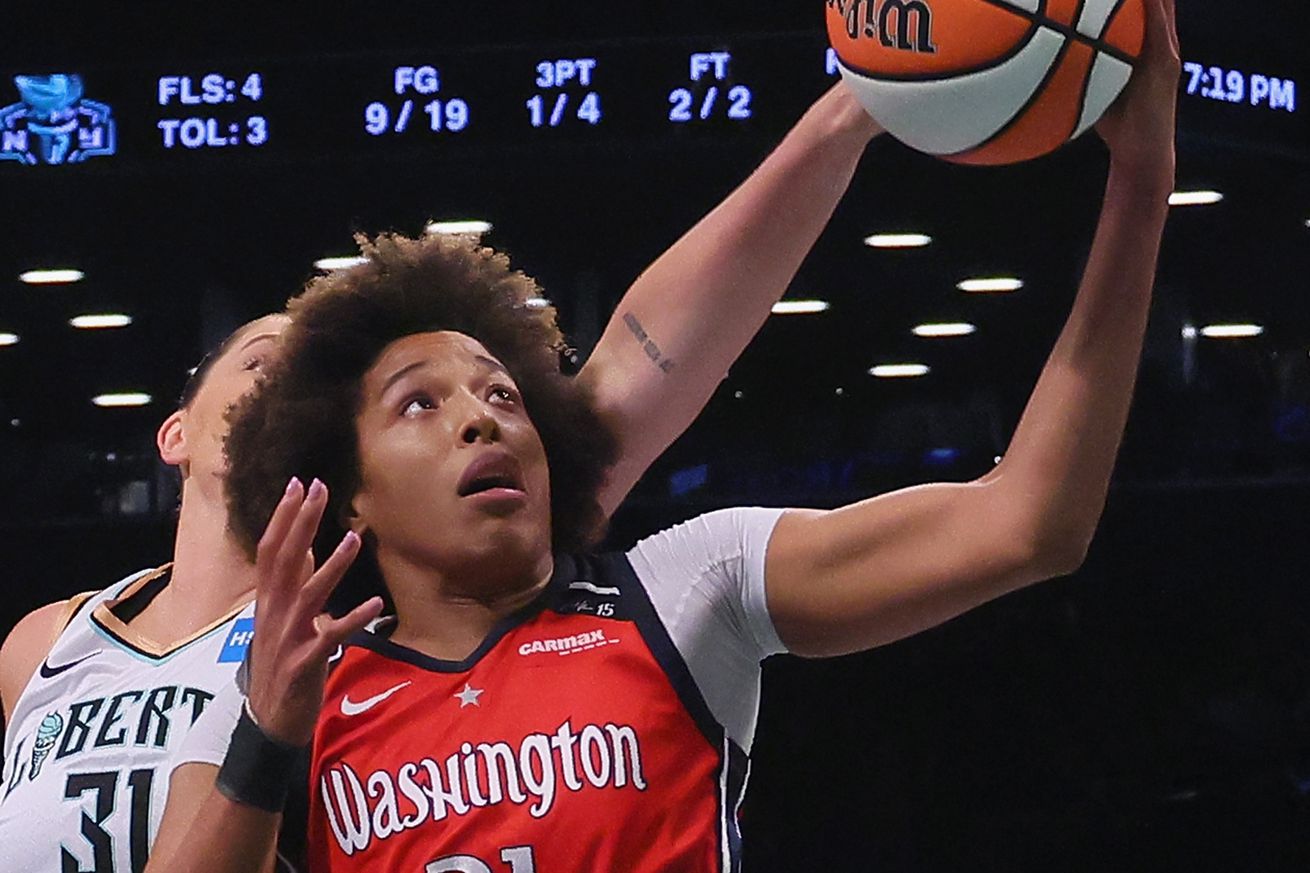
(986, 81)
(870, 18)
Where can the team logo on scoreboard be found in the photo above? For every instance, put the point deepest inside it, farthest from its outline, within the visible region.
(54, 123)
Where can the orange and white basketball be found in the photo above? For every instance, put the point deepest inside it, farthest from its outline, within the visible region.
(986, 81)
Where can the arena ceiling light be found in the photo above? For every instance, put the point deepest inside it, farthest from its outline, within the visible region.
(459, 227)
(990, 285)
(799, 307)
(1194, 198)
(340, 263)
(100, 321)
(899, 371)
(945, 329)
(1231, 331)
(122, 399)
(898, 240)
(8, 339)
(60, 276)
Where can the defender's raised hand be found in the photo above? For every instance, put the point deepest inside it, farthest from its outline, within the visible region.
(1139, 127)
(293, 636)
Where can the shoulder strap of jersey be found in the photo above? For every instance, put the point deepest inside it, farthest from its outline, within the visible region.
(72, 607)
(84, 602)
(73, 604)
(613, 569)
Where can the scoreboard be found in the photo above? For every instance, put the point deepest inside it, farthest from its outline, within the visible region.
(437, 102)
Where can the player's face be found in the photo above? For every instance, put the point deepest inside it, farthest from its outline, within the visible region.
(203, 422)
(453, 473)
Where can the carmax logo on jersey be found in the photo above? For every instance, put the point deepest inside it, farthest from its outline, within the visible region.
(567, 645)
(238, 640)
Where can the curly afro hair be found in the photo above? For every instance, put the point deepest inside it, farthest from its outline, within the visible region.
(300, 419)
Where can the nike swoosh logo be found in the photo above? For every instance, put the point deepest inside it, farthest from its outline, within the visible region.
(349, 707)
(48, 672)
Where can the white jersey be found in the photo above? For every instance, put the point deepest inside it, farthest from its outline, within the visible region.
(93, 739)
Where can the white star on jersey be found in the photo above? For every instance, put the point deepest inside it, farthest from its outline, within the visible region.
(469, 696)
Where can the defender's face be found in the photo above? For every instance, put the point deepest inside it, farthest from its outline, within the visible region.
(203, 422)
(453, 472)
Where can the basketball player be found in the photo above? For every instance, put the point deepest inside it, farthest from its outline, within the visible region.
(99, 691)
(529, 709)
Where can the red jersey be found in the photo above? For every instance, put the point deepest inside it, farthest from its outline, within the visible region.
(574, 738)
(605, 727)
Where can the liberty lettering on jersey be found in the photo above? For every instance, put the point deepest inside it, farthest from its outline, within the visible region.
(141, 717)
(93, 738)
(389, 801)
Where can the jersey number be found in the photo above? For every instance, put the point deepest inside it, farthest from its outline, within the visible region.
(105, 788)
(519, 859)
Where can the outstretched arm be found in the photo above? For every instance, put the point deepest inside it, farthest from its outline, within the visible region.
(690, 314)
(207, 827)
(889, 567)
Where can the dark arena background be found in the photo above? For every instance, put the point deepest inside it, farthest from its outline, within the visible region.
(1151, 712)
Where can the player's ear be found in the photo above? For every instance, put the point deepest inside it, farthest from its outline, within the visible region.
(171, 441)
(352, 514)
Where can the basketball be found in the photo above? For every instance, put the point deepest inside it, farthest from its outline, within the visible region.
(986, 81)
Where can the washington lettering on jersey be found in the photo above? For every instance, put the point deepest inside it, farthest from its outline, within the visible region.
(141, 718)
(478, 775)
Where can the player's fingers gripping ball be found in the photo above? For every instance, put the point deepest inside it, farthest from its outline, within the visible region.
(986, 81)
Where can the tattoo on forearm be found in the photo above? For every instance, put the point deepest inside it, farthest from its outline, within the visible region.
(647, 344)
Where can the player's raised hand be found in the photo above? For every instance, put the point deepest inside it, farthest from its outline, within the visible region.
(293, 636)
(1139, 127)
(847, 113)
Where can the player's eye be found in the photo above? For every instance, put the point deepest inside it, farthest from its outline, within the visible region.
(503, 394)
(254, 363)
(418, 403)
